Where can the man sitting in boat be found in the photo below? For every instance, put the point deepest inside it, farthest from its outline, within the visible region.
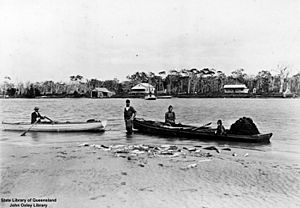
(36, 116)
(170, 116)
(220, 128)
(129, 115)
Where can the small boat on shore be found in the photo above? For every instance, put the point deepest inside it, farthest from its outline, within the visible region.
(89, 126)
(201, 133)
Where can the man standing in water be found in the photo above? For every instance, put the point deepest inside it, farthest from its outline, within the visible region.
(129, 115)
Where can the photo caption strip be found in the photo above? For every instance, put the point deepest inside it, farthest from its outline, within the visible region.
(28, 202)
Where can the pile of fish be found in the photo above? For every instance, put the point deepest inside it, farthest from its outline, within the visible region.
(155, 150)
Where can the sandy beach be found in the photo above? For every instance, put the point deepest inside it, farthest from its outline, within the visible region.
(87, 176)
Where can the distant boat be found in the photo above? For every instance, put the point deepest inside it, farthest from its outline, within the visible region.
(150, 97)
(164, 97)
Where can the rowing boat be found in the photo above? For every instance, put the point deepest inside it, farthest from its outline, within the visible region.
(150, 97)
(56, 126)
(164, 97)
(199, 133)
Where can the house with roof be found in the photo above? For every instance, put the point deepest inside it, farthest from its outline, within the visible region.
(142, 88)
(101, 92)
(236, 89)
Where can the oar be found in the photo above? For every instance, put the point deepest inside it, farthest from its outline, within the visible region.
(24, 133)
(48, 119)
(195, 129)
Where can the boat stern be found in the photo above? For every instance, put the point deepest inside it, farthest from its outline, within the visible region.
(104, 123)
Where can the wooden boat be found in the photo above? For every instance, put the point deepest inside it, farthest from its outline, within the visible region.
(201, 133)
(92, 125)
(150, 97)
(164, 97)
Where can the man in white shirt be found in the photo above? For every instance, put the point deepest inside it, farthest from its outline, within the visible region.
(129, 115)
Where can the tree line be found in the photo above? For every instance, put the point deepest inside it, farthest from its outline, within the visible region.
(211, 81)
(191, 82)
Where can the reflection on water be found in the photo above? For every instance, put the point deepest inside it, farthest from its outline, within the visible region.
(35, 136)
(279, 116)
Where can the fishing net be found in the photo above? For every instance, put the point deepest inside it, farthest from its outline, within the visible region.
(244, 126)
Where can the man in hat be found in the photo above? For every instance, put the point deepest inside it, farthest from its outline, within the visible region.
(36, 116)
(129, 115)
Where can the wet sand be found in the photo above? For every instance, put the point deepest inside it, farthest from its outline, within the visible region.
(85, 176)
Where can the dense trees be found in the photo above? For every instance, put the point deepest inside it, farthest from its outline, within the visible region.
(194, 81)
(264, 80)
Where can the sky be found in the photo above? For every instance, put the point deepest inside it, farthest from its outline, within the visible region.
(106, 39)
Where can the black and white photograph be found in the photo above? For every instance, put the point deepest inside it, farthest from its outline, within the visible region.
(150, 103)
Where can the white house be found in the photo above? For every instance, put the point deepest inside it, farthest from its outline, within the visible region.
(241, 88)
(143, 88)
(101, 92)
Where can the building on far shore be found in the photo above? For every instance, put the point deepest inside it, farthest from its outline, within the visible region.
(101, 92)
(143, 88)
(240, 88)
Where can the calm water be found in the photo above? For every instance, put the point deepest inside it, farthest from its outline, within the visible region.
(279, 116)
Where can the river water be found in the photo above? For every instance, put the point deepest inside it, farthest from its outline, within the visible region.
(279, 116)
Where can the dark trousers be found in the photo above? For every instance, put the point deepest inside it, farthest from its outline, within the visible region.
(129, 125)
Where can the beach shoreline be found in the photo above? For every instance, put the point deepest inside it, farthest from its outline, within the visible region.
(89, 175)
